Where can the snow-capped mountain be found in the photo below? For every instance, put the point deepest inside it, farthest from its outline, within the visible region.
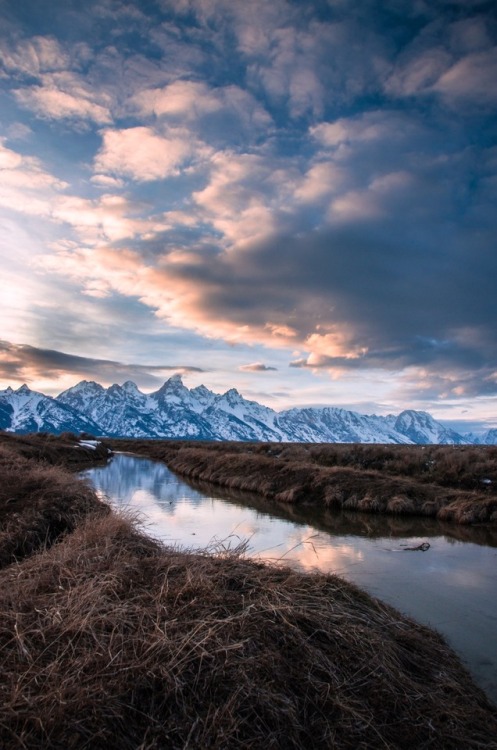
(237, 418)
(490, 437)
(333, 425)
(175, 411)
(420, 427)
(120, 409)
(26, 411)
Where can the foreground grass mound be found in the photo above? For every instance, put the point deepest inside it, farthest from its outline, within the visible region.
(446, 482)
(109, 640)
(67, 449)
(39, 502)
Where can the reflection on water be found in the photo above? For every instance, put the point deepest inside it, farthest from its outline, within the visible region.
(452, 586)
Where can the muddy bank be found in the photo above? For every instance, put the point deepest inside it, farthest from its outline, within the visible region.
(110, 640)
(445, 482)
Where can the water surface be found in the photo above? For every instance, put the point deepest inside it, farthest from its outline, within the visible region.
(451, 587)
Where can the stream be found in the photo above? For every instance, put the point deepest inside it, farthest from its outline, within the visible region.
(452, 586)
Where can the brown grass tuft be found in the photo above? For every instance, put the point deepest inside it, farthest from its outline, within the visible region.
(438, 481)
(56, 450)
(110, 641)
(38, 503)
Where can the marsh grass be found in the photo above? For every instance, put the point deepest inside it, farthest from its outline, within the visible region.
(450, 483)
(110, 641)
(39, 501)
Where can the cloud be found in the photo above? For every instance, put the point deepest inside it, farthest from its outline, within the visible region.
(22, 363)
(473, 78)
(302, 64)
(106, 181)
(61, 91)
(25, 186)
(259, 179)
(321, 181)
(145, 155)
(109, 218)
(244, 195)
(64, 96)
(220, 115)
(35, 56)
(296, 267)
(256, 367)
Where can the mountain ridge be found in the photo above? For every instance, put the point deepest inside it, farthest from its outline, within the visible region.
(175, 411)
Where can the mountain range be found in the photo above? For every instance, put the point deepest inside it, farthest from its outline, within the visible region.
(175, 411)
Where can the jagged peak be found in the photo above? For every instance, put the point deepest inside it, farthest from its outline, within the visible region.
(24, 389)
(114, 388)
(202, 389)
(83, 385)
(174, 384)
(415, 414)
(175, 381)
(233, 394)
(130, 387)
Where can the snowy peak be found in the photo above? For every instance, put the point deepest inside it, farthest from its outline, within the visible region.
(203, 395)
(175, 381)
(175, 411)
(335, 425)
(420, 427)
(231, 399)
(490, 438)
(173, 389)
(23, 390)
(83, 390)
(130, 387)
(26, 411)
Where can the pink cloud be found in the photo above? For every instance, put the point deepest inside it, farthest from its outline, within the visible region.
(35, 56)
(63, 95)
(108, 219)
(25, 186)
(143, 154)
(474, 78)
(256, 367)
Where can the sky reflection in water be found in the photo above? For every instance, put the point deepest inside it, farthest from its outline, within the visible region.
(452, 586)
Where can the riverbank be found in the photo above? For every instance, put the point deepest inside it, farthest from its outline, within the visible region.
(110, 640)
(452, 483)
(40, 500)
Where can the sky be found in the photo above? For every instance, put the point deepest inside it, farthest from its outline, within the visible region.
(296, 199)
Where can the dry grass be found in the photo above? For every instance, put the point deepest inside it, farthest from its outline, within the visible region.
(110, 641)
(38, 501)
(445, 482)
(57, 450)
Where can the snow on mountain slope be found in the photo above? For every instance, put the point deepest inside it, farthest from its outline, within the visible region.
(119, 410)
(420, 427)
(334, 425)
(236, 418)
(490, 437)
(26, 411)
(203, 396)
(175, 411)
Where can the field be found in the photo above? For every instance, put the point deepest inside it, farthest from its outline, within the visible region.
(110, 640)
(452, 483)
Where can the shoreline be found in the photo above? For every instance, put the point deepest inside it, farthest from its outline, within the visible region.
(112, 640)
(456, 484)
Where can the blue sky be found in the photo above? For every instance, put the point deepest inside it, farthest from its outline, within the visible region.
(293, 198)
